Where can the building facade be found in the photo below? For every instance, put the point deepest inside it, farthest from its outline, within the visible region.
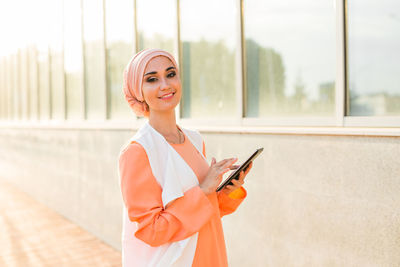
(316, 83)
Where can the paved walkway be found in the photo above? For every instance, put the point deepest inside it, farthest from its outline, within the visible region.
(31, 234)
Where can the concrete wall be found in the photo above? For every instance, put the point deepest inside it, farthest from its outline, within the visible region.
(312, 200)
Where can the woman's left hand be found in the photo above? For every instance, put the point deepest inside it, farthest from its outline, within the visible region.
(237, 183)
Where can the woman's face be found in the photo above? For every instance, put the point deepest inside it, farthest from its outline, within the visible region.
(161, 85)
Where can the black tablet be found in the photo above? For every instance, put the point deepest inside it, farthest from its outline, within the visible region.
(236, 173)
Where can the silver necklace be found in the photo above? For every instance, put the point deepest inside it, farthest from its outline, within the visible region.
(180, 137)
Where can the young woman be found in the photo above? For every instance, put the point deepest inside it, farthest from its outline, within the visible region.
(172, 212)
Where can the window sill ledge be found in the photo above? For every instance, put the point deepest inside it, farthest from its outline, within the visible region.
(133, 125)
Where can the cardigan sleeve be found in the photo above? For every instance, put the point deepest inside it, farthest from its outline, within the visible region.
(141, 193)
(229, 203)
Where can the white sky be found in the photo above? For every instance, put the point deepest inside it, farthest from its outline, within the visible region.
(374, 46)
(157, 20)
(210, 19)
(13, 26)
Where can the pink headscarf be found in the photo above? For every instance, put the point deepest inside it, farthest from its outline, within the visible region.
(133, 78)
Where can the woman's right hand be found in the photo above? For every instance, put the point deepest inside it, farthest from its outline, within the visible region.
(214, 175)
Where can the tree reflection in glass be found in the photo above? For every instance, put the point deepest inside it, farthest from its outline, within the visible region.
(208, 56)
(119, 49)
(290, 58)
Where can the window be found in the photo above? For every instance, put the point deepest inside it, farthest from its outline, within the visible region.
(73, 59)
(54, 99)
(290, 58)
(95, 77)
(373, 58)
(251, 62)
(15, 87)
(120, 49)
(155, 30)
(44, 81)
(10, 86)
(3, 88)
(209, 45)
(23, 83)
(33, 83)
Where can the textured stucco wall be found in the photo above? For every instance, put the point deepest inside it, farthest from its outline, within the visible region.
(312, 200)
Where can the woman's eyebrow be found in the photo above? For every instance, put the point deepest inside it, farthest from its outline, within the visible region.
(152, 72)
(155, 72)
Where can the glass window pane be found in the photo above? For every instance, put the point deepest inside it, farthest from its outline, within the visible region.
(208, 36)
(38, 36)
(3, 92)
(95, 80)
(1, 89)
(73, 59)
(119, 44)
(33, 84)
(373, 58)
(56, 67)
(10, 87)
(16, 89)
(290, 57)
(44, 83)
(149, 20)
(23, 83)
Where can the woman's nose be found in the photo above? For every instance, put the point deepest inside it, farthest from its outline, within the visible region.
(164, 84)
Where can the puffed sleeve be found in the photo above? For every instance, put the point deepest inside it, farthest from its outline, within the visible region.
(229, 203)
(141, 193)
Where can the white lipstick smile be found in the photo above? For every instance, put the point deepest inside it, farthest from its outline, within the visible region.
(167, 96)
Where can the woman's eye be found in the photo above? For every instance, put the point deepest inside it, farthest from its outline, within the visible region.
(151, 79)
(171, 74)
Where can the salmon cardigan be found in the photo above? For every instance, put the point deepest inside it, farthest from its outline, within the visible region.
(167, 219)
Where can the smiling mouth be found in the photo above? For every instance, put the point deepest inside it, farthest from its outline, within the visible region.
(167, 96)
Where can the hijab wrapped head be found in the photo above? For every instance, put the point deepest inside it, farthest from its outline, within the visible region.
(133, 79)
